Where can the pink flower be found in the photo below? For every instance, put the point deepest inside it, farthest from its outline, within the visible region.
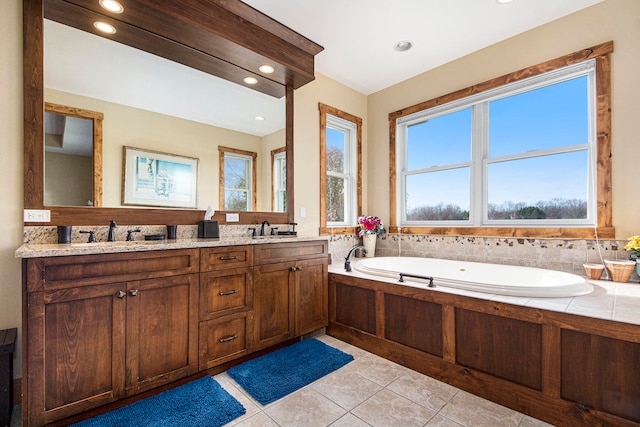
(370, 225)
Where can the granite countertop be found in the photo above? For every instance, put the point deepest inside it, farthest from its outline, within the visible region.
(609, 300)
(55, 249)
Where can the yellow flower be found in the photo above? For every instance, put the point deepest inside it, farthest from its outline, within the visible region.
(633, 245)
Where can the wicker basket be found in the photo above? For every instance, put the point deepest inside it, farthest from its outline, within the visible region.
(620, 271)
(594, 271)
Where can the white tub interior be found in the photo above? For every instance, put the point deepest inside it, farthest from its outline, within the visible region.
(480, 277)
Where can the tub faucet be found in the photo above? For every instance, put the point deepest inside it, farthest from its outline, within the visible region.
(262, 227)
(111, 236)
(347, 261)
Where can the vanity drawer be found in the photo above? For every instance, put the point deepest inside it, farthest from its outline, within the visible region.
(213, 259)
(225, 292)
(222, 340)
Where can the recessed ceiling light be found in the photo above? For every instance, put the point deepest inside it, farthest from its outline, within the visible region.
(403, 46)
(250, 80)
(259, 118)
(104, 27)
(504, 1)
(267, 69)
(112, 6)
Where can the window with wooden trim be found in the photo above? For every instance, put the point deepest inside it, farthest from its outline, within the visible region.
(237, 172)
(279, 180)
(340, 170)
(526, 154)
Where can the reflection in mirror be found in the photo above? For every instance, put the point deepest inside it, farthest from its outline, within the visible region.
(72, 156)
(279, 180)
(154, 104)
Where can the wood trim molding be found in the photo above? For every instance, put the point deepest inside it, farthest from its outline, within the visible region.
(324, 110)
(254, 171)
(601, 54)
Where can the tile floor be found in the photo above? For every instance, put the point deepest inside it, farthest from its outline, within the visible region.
(371, 391)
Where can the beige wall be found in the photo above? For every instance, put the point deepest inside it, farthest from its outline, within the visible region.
(11, 167)
(68, 178)
(307, 142)
(133, 127)
(617, 20)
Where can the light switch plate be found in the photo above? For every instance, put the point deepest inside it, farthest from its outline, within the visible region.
(37, 215)
(233, 217)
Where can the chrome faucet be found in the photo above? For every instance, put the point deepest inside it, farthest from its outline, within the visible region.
(347, 261)
(262, 227)
(111, 236)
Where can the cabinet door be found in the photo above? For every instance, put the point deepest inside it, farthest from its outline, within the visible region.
(273, 304)
(162, 331)
(311, 279)
(75, 351)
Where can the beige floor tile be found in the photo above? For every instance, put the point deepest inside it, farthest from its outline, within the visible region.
(356, 352)
(307, 408)
(440, 421)
(470, 410)
(346, 388)
(350, 420)
(377, 369)
(532, 422)
(387, 409)
(258, 420)
(249, 404)
(424, 390)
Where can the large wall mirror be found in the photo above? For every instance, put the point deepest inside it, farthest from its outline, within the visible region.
(150, 103)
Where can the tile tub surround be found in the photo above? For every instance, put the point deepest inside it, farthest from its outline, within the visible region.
(566, 255)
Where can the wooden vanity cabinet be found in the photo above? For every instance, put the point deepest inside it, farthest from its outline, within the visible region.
(290, 291)
(101, 327)
(226, 297)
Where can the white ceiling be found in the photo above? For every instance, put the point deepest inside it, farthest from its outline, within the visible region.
(359, 35)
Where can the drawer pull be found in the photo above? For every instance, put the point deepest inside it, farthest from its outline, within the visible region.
(133, 292)
(121, 294)
(227, 339)
(227, 293)
(228, 258)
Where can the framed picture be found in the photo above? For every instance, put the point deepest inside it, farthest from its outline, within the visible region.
(152, 178)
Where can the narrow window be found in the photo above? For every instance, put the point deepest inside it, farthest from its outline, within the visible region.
(237, 179)
(340, 168)
(279, 180)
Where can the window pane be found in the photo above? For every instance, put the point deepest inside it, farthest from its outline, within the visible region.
(440, 141)
(547, 187)
(442, 195)
(235, 173)
(549, 117)
(336, 150)
(235, 200)
(335, 199)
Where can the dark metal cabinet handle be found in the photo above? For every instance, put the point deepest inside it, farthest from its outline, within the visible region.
(227, 293)
(299, 267)
(293, 269)
(228, 258)
(121, 294)
(133, 292)
(227, 339)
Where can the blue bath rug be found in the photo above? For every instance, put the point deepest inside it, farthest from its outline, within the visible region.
(277, 374)
(200, 403)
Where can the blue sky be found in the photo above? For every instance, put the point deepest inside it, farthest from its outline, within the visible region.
(518, 124)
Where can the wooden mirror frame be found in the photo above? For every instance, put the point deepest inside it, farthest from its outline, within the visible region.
(33, 19)
(96, 161)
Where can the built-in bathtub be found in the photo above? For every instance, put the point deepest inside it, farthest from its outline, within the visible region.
(480, 277)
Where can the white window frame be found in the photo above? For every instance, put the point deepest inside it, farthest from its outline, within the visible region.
(478, 215)
(249, 178)
(279, 180)
(350, 177)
